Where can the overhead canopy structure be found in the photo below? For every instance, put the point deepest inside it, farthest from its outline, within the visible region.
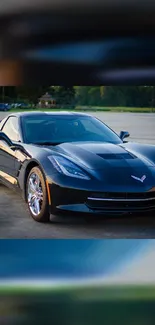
(77, 42)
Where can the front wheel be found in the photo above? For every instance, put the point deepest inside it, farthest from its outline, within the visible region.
(36, 196)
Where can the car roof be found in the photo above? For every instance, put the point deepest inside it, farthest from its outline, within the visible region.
(60, 113)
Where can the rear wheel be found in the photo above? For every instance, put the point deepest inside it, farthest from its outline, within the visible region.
(36, 196)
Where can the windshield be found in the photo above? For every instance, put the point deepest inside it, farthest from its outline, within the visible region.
(66, 128)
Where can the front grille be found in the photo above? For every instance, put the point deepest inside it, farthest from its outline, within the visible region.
(122, 201)
(123, 195)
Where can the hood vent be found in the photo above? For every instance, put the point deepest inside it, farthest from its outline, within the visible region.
(110, 156)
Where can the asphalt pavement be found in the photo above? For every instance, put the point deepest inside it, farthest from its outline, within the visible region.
(15, 221)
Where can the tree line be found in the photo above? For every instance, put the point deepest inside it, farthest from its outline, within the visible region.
(124, 96)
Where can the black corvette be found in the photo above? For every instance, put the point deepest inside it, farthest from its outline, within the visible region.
(74, 162)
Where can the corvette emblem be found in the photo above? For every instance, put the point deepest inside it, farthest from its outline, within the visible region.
(142, 179)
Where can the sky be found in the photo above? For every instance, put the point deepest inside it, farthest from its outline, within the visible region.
(70, 259)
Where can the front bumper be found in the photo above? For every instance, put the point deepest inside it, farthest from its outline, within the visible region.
(82, 201)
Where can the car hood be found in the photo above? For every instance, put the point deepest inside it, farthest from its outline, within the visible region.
(113, 163)
(98, 155)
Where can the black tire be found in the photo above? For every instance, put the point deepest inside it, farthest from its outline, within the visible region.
(44, 215)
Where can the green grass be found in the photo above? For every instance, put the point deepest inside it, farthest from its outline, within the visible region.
(116, 109)
(94, 109)
(80, 305)
(87, 293)
(40, 110)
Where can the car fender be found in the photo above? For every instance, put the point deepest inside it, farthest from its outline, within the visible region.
(147, 151)
(42, 162)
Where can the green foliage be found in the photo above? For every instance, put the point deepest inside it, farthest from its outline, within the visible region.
(64, 95)
(103, 96)
(131, 96)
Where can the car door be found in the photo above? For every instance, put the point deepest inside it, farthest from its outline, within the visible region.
(8, 155)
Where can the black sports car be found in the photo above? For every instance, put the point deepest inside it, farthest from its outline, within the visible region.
(74, 162)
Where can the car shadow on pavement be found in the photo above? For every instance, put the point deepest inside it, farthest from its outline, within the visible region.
(16, 222)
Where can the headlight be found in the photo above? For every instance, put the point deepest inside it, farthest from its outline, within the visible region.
(66, 167)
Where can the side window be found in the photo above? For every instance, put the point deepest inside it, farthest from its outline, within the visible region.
(11, 128)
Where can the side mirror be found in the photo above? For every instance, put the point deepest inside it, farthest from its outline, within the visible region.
(17, 147)
(124, 134)
(20, 147)
(5, 138)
